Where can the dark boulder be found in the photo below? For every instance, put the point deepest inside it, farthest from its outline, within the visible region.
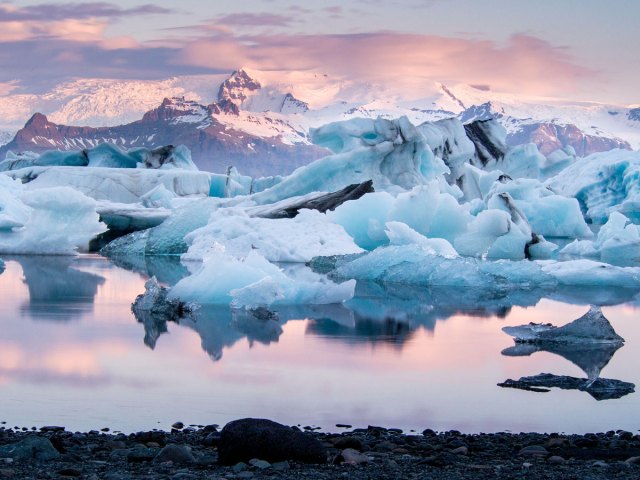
(248, 438)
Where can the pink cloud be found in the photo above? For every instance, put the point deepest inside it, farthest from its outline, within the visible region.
(524, 64)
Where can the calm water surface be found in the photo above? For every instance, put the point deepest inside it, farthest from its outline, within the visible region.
(72, 353)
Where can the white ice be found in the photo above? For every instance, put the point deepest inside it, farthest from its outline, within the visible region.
(254, 281)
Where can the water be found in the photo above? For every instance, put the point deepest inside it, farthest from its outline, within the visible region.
(73, 354)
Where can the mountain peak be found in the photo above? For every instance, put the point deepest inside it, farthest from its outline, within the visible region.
(238, 87)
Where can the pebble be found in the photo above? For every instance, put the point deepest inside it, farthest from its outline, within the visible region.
(281, 466)
(178, 425)
(259, 464)
(239, 467)
(534, 451)
(460, 450)
(176, 454)
(556, 460)
(353, 457)
(633, 461)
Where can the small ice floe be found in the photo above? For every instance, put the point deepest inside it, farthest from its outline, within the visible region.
(592, 327)
(600, 388)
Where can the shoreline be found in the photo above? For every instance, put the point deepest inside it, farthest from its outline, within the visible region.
(187, 452)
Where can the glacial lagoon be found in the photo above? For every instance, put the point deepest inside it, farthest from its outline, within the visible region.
(72, 353)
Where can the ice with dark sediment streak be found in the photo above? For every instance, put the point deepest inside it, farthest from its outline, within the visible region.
(592, 327)
(600, 388)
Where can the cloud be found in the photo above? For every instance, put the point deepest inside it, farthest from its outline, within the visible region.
(72, 10)
(525, 64)
(253, 20)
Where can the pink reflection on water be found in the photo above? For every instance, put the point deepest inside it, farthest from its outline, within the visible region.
(91, 372)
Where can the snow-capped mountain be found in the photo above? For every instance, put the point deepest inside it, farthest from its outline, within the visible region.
(251, 118)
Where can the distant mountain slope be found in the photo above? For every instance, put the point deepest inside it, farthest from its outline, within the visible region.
(214, 145)
(260, 121)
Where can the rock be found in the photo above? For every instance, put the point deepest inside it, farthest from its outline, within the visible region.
(348, 442)
(460, 450)
(69, 472)
(343, 425)
(245, 474)
(178, 425)
(556, 460)
(353, 457)
(556, 442)
(142, 454)
(31, 448)
(600, 464)
(239, 467)
(242, 440)
(184, 476)
(281, 466)
(175, 453)
(259, 464)
(534, 451)
(52, 429)
(633, 461)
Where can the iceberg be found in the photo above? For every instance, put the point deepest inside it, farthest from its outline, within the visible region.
(104, 155)
(393, 154)
(603, 183)
(254, 282)
(309, 234)
(617, 242)
(415, 265)
(115, 184)
(600, 388)
(56, 221)
(592, 327)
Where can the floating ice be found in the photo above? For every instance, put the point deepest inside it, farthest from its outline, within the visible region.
(392, 153)
(55, 221)
(298, 239)
(618, 242)
(412, 264)
(253, 282)
(603, 183)
(105, 155)
(592, 327)
(115, 184)
(548, 214)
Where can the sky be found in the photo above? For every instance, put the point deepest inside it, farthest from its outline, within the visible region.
(574, 49)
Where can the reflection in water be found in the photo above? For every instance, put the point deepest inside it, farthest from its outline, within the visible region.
(588, 342)
(57, 289)
(432, 351)
(166, 268)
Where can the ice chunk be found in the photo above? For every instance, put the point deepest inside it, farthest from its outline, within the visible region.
(592, 327)
(489, 139)
(298, 239)
(2, 265)
(105, 155)
(115, 184)
(401, 234)
(603, 183)
(392, 153)
(590, 273)
(254, 282)
(60, 221)
(548, 214)
(448, 140)
(158, 196)
(364, 219)
(600, 388)
(411, 264)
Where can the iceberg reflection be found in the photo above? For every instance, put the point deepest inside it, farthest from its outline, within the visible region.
(588, 342)
(57, 290)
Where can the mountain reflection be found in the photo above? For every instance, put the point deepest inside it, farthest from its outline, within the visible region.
(57, 290)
